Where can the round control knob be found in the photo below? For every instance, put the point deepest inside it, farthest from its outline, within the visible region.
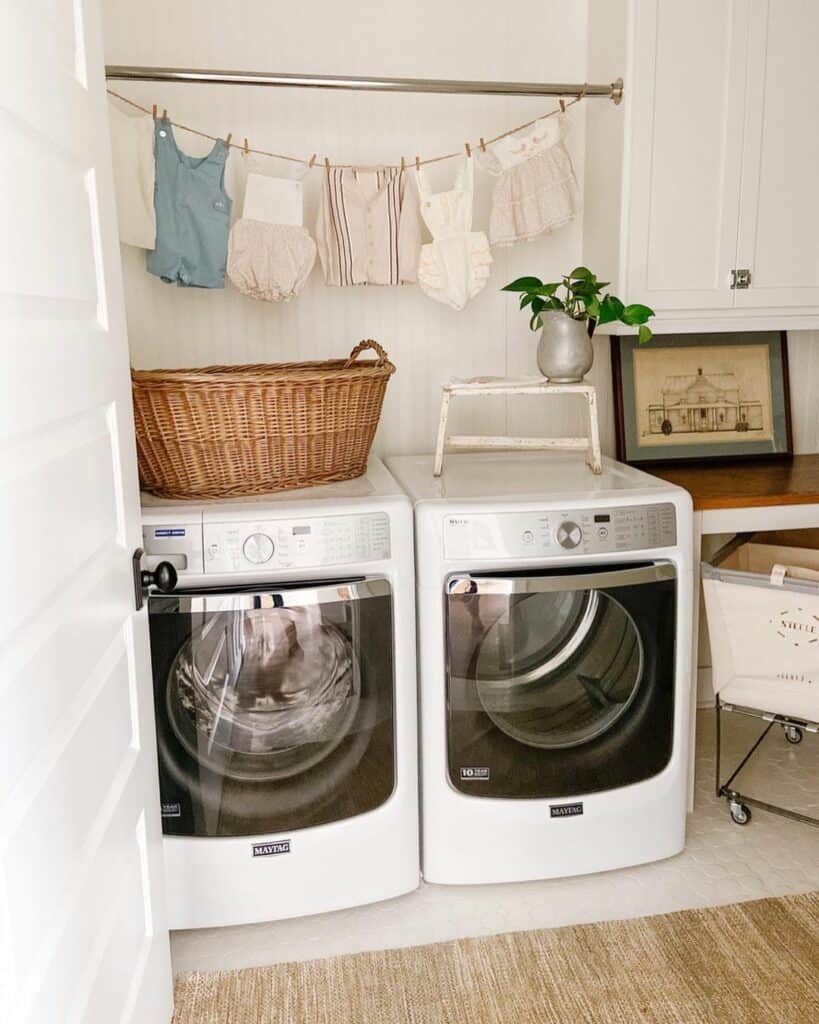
(569, 535)
(258, 548)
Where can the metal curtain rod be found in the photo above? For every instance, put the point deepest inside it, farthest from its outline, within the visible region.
(614, 91)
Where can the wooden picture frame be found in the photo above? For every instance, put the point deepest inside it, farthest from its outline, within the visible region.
(702, 397)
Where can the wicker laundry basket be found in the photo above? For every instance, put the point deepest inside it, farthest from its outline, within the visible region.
(228, 431)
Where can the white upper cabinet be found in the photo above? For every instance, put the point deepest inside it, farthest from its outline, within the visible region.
(685, 153)
(779, 210)
(715, 170)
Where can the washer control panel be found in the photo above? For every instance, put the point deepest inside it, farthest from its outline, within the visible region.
(174, 542)
(295, 543)
(591, 531)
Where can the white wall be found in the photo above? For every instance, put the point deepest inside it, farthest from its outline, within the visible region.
(521, 39)
(803, 351)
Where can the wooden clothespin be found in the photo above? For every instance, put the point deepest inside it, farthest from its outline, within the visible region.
(246, 148)
(562, 103)
(164, 114)
(418, 163)
(154, 111)
(468, 149)
(311, 161)
(327, 164)
(483, 145)
(582, 92)
(229, 137)
(403, 165)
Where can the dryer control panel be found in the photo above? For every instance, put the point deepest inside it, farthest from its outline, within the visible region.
(248, 547)
(560, 532)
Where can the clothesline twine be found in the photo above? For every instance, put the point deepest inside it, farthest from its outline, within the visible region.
(314, 162)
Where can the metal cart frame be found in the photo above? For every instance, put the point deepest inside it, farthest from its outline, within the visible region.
(740, 804)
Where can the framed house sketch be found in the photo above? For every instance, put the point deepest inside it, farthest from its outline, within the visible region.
(702, 396)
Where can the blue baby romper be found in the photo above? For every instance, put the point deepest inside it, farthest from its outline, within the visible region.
(192, 213)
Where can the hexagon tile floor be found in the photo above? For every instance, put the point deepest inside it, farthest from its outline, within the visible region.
(722, 863)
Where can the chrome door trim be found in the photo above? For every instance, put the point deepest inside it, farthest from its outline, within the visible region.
(188, 601)
(476, 584)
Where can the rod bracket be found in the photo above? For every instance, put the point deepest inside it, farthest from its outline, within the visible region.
(617, 92)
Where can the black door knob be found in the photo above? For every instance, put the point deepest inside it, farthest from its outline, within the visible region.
(164, 578)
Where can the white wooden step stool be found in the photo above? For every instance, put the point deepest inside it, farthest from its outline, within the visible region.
(523, 386)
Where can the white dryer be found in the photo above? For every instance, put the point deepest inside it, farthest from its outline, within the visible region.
(285, 695)
(554, 616)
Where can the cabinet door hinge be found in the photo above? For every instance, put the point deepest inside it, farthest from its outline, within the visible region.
(136, 569)
(741, 278)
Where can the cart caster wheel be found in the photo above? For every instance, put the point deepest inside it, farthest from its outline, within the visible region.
(740, 813)
(793, 734)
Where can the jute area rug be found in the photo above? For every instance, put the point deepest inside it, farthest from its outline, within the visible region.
(746, 962)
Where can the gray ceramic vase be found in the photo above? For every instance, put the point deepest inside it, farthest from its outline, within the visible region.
(564, 352)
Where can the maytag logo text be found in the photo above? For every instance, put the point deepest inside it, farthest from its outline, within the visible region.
(565, 810)
(271, 849)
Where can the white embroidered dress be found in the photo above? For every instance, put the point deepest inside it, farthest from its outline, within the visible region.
(536, 191)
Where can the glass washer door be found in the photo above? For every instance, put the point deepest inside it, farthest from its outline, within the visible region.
(274, 709)
(259, 692)
(548, 675)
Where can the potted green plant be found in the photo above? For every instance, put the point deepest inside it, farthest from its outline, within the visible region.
(567, 313)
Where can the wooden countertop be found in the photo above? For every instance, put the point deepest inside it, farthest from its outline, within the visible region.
(794, 481)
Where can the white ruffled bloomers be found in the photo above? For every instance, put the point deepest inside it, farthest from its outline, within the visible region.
(270, 262)
(453, 270)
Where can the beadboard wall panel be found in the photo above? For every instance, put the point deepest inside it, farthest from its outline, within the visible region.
(428, 342)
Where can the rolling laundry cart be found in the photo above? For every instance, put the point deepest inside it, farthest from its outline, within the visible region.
(762, 604)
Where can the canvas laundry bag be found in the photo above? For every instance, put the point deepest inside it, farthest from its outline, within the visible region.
(762, 604)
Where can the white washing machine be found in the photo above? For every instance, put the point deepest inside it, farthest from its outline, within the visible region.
(554, 616)
(285, 694)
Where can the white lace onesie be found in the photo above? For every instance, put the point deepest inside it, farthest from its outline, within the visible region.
(455, 266)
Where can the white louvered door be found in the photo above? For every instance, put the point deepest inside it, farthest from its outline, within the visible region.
(82, 928)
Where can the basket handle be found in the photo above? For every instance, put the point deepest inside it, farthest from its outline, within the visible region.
(796, 572)
(361, 347)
